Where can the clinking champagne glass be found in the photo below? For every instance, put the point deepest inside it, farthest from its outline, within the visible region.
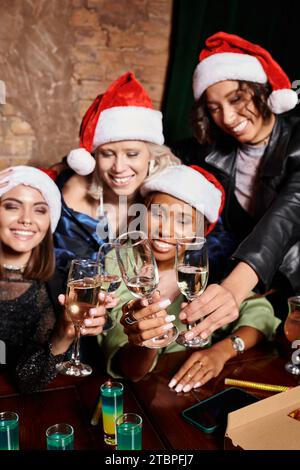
(192, 276)
(140, 274)
(110, 276)
(83, 288)
(292, 332)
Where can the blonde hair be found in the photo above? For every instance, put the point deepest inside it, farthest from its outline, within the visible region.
(161, 157)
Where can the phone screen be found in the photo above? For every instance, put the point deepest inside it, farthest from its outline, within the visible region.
(212, 412)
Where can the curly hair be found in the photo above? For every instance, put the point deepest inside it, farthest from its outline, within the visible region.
(161, 157)
(207, 132)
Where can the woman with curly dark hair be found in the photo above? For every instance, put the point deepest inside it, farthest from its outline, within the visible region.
(240, 93)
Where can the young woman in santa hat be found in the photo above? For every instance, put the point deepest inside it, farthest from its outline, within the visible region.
(172, 212)
(121, 144)
(240, 94)
(35, 332)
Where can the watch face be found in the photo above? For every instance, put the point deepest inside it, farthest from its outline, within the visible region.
(238, 344)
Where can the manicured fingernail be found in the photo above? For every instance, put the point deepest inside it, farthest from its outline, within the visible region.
(204, 335)
(186, 388)
(164, 303)
(88, 322)
(82, 331)
(167, 327)
(189, 335)
(93, 311)
(169, 318)
(197, 385)
(178, 388)
(102, 296)
(172, 383)
(183, 316)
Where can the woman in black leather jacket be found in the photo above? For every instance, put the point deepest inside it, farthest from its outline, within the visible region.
(239, 91)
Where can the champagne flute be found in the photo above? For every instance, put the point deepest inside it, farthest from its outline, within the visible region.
(292, 333)
(110, 276)
(192, 275)
(83, 288)
(140, 274)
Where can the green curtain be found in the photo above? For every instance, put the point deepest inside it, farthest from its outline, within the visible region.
(273, 25)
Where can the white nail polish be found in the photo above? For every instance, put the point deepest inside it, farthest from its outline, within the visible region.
(186, 388)
(169, 318)
(189, 335)
(164, 303)
(178, 388)
(169, 326)
(197, 385)
(172, 383)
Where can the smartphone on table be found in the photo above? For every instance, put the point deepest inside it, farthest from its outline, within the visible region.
(211, 413)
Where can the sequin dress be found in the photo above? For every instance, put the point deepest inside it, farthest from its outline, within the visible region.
(27, 321)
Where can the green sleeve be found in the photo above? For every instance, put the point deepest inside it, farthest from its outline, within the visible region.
(116, 338)
(258, 314)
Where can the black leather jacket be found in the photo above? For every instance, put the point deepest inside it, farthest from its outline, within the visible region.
(270, 240)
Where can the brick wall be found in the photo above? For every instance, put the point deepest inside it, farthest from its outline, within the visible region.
(57, 55)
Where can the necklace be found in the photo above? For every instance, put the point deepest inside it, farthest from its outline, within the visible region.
(13, 267)
(263, 141)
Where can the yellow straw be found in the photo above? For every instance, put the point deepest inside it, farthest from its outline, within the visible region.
(97, 414)
(258, 386)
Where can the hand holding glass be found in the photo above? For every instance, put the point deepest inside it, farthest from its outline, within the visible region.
(192, 276)
(292, 332)
(140, 274)
(83, 288)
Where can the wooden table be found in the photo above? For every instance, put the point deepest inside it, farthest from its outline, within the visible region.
(163, 406)
(73, 401)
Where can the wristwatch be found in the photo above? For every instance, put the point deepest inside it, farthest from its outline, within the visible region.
(238, 344)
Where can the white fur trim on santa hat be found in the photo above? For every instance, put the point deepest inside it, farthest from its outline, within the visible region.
(189, 186)
(226, 66)
(283, 100)
(81, 161)
(30, 176)
(129, 123)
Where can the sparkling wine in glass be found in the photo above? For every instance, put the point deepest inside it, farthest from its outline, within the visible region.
(83, 288)
(292, 333)
(110, 276)
(140, 274)
(192, 276)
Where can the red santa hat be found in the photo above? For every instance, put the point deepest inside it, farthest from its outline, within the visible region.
(193, 185)
(123, 112)
(229, 57)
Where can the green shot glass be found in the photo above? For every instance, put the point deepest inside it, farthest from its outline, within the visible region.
(129, 431)
(9, 430)
(60, 437)
(112, 407)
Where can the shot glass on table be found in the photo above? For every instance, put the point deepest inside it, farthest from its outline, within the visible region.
(112, 407)
(9, 430)
(129, 431)
(60, 437)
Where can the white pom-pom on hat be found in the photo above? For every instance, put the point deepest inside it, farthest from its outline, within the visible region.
(281, 101)
(81, 161)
